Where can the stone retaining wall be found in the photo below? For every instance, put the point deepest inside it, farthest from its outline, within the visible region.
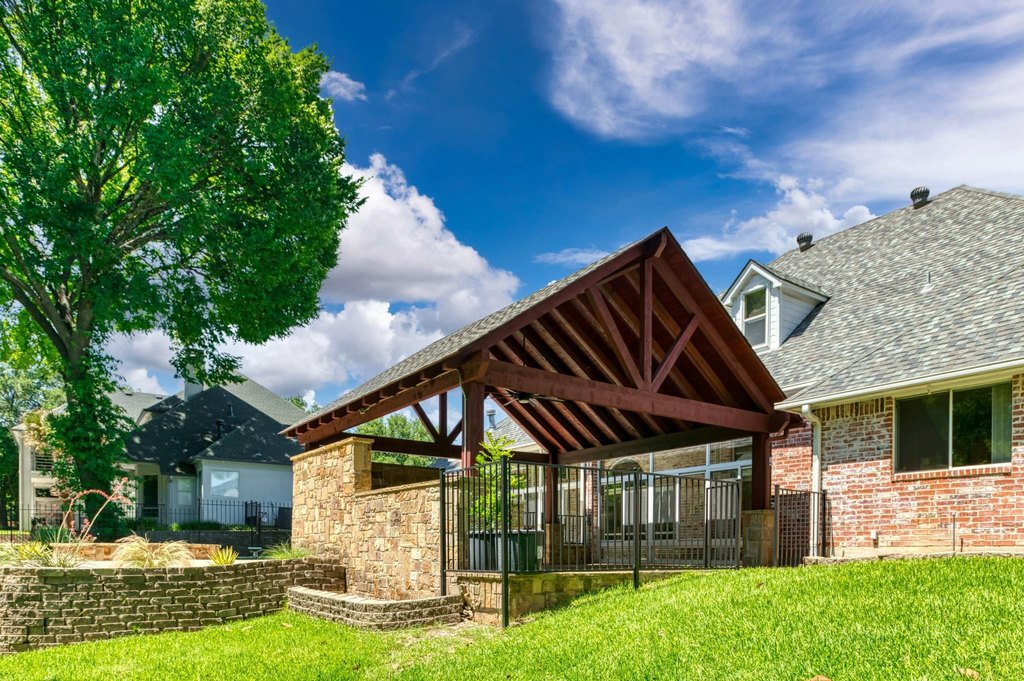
(535, 592)
(372, 613)
(42, 607)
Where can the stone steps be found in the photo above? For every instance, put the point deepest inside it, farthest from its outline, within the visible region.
(373, 613)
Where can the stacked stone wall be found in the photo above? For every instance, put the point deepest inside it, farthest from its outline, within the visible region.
(42, 607)
(373, 613)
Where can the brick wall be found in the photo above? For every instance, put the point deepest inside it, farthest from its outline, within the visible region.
(388, 539)
(42, 607)
(909, 510)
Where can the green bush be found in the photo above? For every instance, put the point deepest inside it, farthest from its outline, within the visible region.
(193, 525)
(225, 555)
(53, 534)
(284, 551)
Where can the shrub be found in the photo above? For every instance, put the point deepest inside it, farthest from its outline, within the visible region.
(38, 554)
(225, 555)
(192, 525)
(138, 551)
(284, 551)
(54, 534)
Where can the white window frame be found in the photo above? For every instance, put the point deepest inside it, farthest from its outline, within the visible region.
(949, 430)
(744, 319)
(238, 483)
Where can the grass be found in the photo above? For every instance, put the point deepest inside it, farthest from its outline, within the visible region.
(921, 620)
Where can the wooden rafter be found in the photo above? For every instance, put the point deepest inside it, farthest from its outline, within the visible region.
(597, 300)
(425, 420)
(672, 355)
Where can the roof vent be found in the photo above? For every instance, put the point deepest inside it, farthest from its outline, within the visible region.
(919, 196)
(490, 419)
(805, 241)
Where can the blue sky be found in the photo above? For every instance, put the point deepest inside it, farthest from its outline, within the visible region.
(503, 144)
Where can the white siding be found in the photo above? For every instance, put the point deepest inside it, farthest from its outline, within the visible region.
(757, 281)
(794, 310)
(265, 483)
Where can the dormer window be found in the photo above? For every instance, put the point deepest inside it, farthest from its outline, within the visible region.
(755, 316)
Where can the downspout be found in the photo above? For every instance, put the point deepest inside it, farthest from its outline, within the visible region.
(815, 446)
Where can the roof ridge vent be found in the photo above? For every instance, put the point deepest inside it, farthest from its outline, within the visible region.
(919, 196)
(805, 240)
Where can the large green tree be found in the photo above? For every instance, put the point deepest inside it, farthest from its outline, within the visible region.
(401, 427)
(164, 164)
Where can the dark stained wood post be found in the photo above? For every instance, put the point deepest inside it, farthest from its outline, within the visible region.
(472, 421)
(761, 451)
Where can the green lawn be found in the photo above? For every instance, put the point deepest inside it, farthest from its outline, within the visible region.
(893, 620)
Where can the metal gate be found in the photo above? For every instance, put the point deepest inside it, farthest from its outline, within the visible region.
(801, 525)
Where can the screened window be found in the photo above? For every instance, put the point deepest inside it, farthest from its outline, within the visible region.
(224, 484)
(755, 316)
(969, 427)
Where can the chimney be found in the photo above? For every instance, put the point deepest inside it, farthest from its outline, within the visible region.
(490, 419)
(919, 196)
(804, 240)
(192, 386)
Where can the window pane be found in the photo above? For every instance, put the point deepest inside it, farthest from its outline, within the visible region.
(755, 331)
(727, 452)
(981, 426)
(224, 484)
(922, 427)
(754, 303)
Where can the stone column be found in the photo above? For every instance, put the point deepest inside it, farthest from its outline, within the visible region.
(324, 483)
(758, 529)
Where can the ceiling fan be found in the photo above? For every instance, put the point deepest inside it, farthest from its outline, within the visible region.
(523, 397)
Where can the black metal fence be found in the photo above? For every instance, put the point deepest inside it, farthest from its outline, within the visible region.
(529, 517)
(241, 524)
(802, 521)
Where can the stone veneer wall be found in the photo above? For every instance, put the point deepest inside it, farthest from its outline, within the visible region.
(388, 539)
(95, 551)
(42, 607)
(909, 510)
(373, 613)
(536, 592)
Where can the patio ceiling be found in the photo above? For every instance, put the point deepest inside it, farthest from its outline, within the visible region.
(637, 351)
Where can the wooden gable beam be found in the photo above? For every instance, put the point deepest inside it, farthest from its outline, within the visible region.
(515, 377)
(672, 355)
(711, 333)
(646, 314)
(455, 431)
(597, 300)
(422, 416)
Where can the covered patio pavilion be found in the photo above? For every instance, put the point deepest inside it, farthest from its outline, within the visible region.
(632, 354)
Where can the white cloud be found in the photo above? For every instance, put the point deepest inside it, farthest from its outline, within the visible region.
(341, 86)
(949, 131)
(140, 379)
(398, 248)
(570, 256)
(403, 281)
(623, 69)
(799, 209)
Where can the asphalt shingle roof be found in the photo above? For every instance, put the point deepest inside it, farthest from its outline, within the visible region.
(253, 416)
(882, 323)
(457, 340)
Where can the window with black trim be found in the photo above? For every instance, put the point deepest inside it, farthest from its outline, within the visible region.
(954, 428)
(755, 316)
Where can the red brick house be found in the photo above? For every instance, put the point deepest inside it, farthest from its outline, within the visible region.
(901, 342)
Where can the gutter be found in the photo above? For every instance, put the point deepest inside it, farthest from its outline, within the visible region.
(815, 422)
(1013, 366)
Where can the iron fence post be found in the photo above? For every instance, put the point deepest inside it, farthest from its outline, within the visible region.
(824, 524)
(636, 529)
(776, 531)
(503, 549)
(707, 524)
(738, 506)
(443, 521)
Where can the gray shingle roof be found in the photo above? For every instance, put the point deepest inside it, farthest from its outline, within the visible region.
(881, 325)
(457, 340)
(134, 403)
(253, 416)
(510, 429)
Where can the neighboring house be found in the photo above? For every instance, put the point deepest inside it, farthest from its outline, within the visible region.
(197, 455)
